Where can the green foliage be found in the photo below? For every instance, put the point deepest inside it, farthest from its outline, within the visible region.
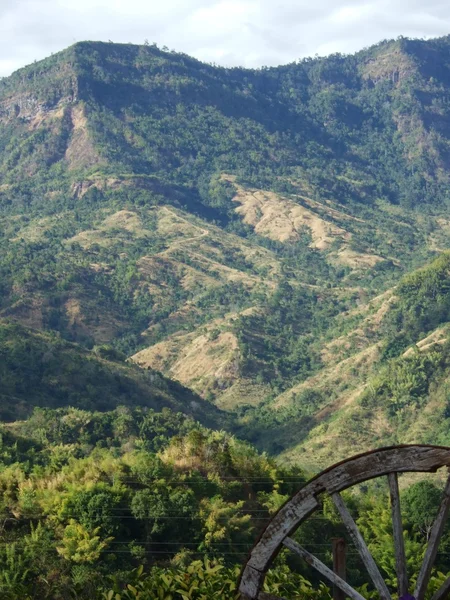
(406, 381)
(85, 499)
(188, 513)
(207, 580)
(79, 545)
(156, 508)
(422, 501)
(39, 369)
(278, 343)
(423, 304)
(111, 478)
(376, 528)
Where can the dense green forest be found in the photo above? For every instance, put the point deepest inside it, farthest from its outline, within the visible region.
(213, 283)
(42, 370)
(134, 503)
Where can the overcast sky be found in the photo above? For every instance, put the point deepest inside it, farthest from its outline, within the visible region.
(228, 32)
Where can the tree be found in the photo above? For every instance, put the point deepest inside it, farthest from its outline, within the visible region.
(421, 502)
(80, 546)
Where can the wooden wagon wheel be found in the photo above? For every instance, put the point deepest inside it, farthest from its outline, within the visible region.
(386, 461)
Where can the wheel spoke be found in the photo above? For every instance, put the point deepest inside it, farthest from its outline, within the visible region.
(361, 546)
(399, 544)
(433, 544)
(337, 478)
(323, 569)
(443, 591)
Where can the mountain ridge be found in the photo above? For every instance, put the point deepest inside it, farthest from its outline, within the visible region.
(235, 229)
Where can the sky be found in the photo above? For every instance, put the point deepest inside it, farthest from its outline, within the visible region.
(250, 33)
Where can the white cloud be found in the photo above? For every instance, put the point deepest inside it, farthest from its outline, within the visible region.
(230, 32)
(352, 13)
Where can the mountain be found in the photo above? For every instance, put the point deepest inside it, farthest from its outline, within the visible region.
(192, 256)
(384, 380)
(40, 370)
(373, 124)
(242, 232)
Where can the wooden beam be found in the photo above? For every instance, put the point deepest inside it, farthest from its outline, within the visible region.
(282, 525)
(433, 544)
(323, 569)
(339, 565)
(361, 546)
(251, 582)
(443, 591)
(399, 543)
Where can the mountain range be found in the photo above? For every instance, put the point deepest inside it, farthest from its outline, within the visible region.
(262, 249)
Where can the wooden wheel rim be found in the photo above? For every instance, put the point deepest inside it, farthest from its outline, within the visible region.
(362, 467)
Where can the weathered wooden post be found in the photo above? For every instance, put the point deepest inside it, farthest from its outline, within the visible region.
(339, 565)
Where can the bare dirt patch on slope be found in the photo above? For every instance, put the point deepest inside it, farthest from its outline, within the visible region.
(355, 260)
(437, 337)
(88, 320)
(80, 152)
(283, 220)
(205, 360)
(200, 361)
(104, 234)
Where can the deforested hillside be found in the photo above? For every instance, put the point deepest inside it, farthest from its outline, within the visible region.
(242, 232)
(384, 380)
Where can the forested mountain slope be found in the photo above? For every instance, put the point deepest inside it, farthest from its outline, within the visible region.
(384, 378)
(240, 231)
(42, 370)
(364, 126)
(183, 245)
